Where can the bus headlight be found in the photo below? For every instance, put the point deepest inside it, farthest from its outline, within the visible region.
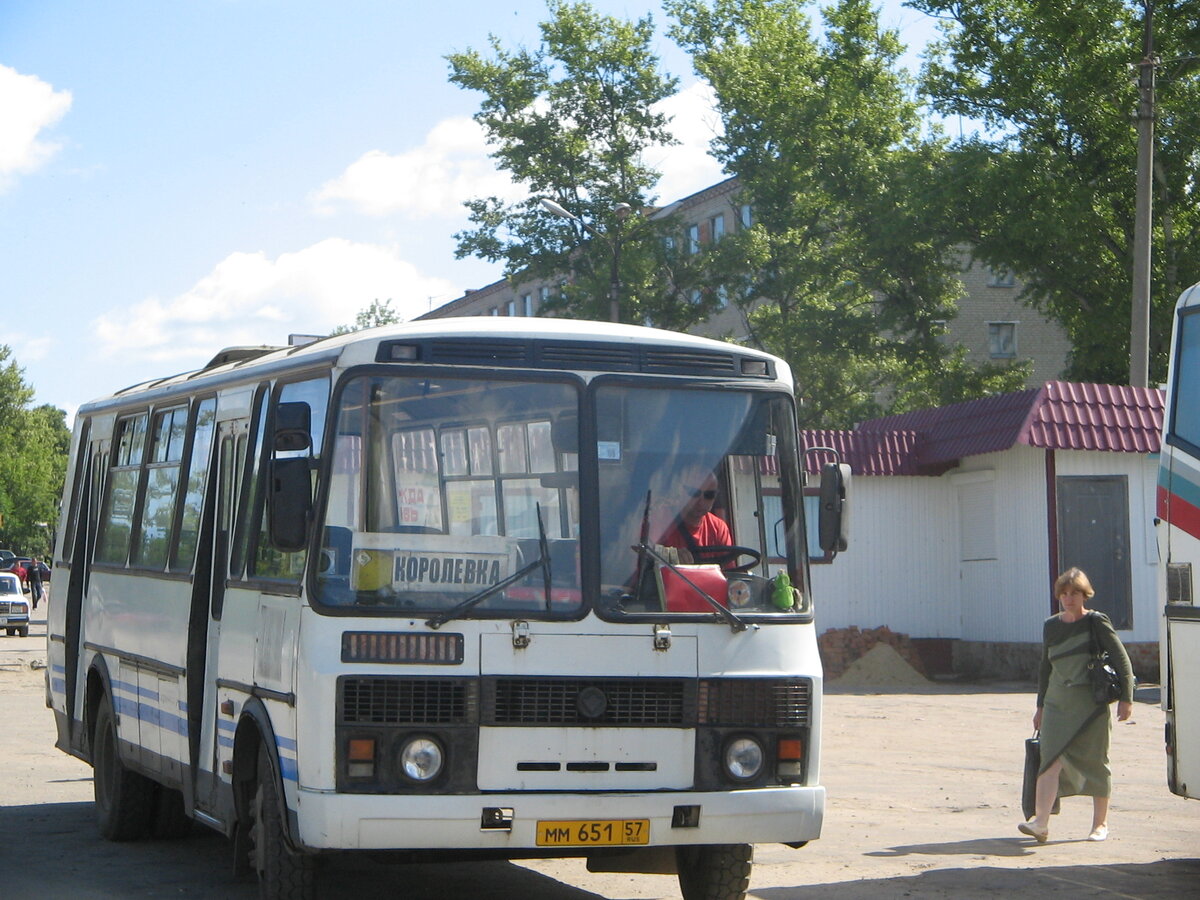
(743, 758)
(421, 759)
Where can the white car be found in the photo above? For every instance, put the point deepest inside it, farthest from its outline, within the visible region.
(14, 608)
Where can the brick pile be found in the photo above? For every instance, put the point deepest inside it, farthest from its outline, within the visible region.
(841, 647)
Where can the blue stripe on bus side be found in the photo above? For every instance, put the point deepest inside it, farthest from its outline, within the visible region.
(287, 768)
(1184, 480)
(134, 689)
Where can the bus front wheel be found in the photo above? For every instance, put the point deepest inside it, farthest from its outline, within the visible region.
(714, 871)
(124, 798)
(283, 874)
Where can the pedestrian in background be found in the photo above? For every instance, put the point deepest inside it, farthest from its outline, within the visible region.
(1075, 729)
(35, 580)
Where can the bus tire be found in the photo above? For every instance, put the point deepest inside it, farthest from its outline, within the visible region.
(124, 798)
(283, 874)
(714, 871)
(169, 822)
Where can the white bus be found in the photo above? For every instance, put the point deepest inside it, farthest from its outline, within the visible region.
(421, 589)
(1179, 524)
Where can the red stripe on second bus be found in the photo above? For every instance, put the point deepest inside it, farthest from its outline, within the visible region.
(1178, 512)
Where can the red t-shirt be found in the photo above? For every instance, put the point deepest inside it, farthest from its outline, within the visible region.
(711, 531)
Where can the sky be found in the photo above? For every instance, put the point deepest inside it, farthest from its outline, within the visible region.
(178, 177)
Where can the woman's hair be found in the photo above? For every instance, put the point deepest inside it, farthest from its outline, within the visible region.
(1073, 578)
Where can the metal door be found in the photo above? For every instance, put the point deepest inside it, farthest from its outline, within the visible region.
(1093, 534)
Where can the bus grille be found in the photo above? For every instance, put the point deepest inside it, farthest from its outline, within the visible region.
(587, 701)
(406, 701)
(755, 702)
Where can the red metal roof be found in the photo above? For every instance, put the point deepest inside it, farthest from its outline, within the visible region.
(1060, 415)
(883, 453)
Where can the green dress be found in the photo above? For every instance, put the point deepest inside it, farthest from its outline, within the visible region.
(1075, 728)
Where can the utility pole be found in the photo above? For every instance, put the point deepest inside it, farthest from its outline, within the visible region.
(1139, 321)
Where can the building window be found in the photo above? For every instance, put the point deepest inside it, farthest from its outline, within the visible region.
(494, 311)
(716, 227)
(693, 239)
(1002, 278)
(543, 297)
(745, 215)
(695, 296)
(510, 308)
(722, 296)
(1002, 340)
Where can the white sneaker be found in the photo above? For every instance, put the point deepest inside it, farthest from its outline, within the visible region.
(1098, 834)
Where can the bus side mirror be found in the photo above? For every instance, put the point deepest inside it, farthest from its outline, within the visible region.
(289, 506)
(293, 427)
(833, 527)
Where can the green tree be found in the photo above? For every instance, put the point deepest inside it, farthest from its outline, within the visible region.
(571, 122)
(845, 272)
(34, 443)
(372, 317)
(1046, 188)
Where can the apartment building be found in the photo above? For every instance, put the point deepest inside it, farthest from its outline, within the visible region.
(991, 324)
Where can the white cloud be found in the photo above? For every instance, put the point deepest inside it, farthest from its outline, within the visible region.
(251, 299)
(687, 167)
(452, 165)
(28, 106)
(434, 179)
(27, 347)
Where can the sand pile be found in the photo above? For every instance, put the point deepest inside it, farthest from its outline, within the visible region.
(881, 665)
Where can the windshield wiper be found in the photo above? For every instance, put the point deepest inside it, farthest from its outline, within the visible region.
(542, 562)
(735, 624)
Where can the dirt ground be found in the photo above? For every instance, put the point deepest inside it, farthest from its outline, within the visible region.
(923, 785)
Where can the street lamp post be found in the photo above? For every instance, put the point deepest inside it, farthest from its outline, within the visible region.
(621, 210)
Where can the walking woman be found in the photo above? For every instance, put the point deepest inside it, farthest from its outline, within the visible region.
(1075, 728)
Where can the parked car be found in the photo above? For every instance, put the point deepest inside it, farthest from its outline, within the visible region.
(14, 608)
(6, 554)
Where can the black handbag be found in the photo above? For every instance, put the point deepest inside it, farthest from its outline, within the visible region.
(1033, 762)
(1106, 683)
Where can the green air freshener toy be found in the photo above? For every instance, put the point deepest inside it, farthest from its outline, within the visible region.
(781, 594)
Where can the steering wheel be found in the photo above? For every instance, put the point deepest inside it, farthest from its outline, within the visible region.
(722, 554)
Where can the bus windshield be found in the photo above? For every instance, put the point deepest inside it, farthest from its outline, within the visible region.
(442, 488)
(699, 497)
(460, 497)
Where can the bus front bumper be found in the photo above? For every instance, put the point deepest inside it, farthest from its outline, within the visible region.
(329, 821)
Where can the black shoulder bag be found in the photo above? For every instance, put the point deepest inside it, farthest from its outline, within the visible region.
(1106, 683)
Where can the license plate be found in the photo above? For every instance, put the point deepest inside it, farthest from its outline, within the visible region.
(592, 832)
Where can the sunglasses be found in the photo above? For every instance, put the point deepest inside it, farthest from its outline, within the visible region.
(707, 495)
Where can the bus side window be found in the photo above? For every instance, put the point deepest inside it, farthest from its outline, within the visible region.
(248, 459)
(116, 523)
(195, 482)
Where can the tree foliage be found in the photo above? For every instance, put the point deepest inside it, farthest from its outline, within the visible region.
(847, 271)
(372, 317)
(571, 121)
(34, 443)
(1047, 188)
